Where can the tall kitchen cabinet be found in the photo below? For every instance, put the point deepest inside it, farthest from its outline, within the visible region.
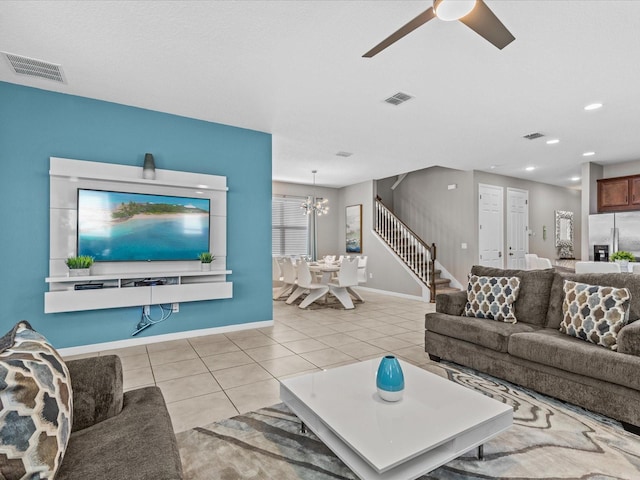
(619, 194)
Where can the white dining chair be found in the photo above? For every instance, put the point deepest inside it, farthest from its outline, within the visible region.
(362, 268)
(276, 278)
(530, 261)
(543, 263)
(347, 278)
(329, 258)
(306, 284)
(597, 267)
(289, 275)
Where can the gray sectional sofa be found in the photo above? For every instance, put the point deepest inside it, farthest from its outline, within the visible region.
(533, 352)
(117, 435)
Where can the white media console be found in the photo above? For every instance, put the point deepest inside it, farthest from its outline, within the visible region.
(126, 284)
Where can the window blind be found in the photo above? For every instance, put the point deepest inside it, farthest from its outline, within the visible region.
(289, 227)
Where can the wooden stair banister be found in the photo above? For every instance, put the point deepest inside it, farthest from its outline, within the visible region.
(407, 245)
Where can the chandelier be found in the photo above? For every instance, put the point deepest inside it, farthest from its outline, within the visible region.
(313, 204)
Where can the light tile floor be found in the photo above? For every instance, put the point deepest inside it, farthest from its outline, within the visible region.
(205, 379)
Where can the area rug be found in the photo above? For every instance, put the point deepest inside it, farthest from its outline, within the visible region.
(548, 440)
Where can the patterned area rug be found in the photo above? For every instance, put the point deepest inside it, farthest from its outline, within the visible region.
(548, 440)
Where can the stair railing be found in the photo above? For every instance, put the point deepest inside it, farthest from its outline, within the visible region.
(411, 249)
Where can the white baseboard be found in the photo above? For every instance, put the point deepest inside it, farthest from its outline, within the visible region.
(393, 294)
(132, 342)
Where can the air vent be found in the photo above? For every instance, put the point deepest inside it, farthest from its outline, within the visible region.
(533, 136)
(398, 98)
(32, 67)
(344, 154)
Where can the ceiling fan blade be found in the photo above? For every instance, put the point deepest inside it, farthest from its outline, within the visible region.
(484, 22)
(421, 19)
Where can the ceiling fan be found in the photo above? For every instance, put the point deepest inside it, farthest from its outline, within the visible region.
(475, 14)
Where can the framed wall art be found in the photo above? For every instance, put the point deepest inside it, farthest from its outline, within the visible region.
(353, 230)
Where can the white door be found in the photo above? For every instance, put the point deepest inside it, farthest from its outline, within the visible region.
(490, 220)
(517, 227)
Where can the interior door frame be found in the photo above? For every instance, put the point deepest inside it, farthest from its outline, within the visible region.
(484, 187)
(510, 226)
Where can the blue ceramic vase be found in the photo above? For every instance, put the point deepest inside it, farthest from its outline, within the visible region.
(390, 379)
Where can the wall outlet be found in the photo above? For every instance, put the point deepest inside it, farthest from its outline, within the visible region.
(175, 307)
(370, 275)
(463, 246)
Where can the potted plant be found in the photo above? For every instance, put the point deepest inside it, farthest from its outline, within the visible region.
(623, 258)
(79, 266)
(205, 260)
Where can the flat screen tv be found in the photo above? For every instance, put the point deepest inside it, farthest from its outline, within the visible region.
(127, 227)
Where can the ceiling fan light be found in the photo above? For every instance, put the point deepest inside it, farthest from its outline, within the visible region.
(449, 10)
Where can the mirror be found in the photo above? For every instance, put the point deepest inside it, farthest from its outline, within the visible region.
(564, 234)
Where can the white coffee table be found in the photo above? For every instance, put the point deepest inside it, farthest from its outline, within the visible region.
(436, 421)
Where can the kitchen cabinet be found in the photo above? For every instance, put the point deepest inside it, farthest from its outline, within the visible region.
(619, 194)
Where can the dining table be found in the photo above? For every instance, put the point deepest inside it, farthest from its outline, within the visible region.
(326, 270)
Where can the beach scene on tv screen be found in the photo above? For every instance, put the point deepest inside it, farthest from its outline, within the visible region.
(118, 226)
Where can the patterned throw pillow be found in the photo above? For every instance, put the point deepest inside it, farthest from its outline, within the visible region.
(594, 313)
(492, 298)
(35, 406)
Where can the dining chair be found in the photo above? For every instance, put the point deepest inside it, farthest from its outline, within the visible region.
(329, 258)
(306, 284)
(543, 263)
(276, 277)
(347, 277)
(289, 275)
(597, 267)
(530, 261)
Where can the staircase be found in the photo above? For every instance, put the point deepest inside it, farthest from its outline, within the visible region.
(443, 284)
(410, 248)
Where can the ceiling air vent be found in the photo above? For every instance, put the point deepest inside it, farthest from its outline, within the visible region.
(533, 136)
(32, 67)
(344, 154)
(398, 98)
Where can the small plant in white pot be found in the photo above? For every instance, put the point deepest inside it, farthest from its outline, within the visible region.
(623, 258)
(79, 266)
(205, 261)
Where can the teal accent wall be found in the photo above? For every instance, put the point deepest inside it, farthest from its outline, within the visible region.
(37, 124)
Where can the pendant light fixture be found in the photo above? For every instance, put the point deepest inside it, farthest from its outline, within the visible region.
(315, 205)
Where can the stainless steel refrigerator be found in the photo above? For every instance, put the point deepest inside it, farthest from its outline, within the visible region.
(620, 231)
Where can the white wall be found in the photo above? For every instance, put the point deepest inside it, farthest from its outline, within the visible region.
(544, 200)
(449, 218)
(621, 169)
(327, 225)
(386, 272)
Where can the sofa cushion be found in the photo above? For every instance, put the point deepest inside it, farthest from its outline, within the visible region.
(619, 280)
(97, 389)
(493, 335)
(555, 349)
(136, 444)
(533, 299)
(629, 339)
(594, 313)
(492, 298)
(35, 405)
(451, 302)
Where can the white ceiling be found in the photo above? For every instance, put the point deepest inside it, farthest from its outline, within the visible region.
(294, 69)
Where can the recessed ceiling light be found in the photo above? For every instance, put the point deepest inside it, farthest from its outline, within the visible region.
(492, 167)
(588, 154)
(530, 169)
(344, 154)
(575, 179)
(593, 106)
(553, 141)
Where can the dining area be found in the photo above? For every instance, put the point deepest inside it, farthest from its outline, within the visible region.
(327, 283)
